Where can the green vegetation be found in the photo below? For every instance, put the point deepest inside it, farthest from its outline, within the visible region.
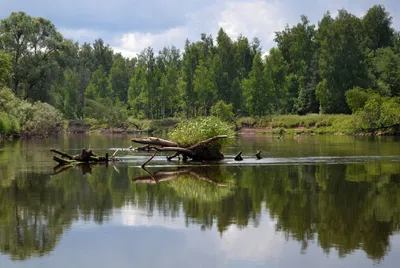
(330, 68)
(189, 132)
(347, 207)
(20, 116)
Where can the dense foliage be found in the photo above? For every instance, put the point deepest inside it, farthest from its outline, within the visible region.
(192, 131)
(310, 71)
(38, 118)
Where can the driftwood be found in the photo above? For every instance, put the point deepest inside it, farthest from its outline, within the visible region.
(86, 156)
(201, 151)
(238, 157)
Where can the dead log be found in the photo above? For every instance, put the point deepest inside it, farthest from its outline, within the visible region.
(238, 157)
(155, 141)
(201, 151)
(86, 156)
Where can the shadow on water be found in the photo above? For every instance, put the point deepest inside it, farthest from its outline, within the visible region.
(342, 206)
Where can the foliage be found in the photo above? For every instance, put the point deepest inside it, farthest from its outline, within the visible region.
(378, 113)
(189, 132)
(357, 97)
(41, 119)
(5, 66)
(223, 111)
(314, 69)
(105, 112)
(8, 124)
(37, 119)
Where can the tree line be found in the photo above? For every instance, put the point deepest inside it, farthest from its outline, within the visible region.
(309, 71)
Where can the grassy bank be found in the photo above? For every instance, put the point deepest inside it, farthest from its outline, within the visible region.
(310, 124)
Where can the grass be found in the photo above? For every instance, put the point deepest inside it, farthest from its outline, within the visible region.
(309, 124)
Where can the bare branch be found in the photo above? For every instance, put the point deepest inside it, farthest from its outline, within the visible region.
(208, 141)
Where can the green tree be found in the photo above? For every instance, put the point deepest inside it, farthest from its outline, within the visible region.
(342, 62)
(377, 28)
(67, 94)
(204, 87)
(33, 44)
(137, 92)
(224, 66)
(386, 69)
(5, 66)
(300, 50)
(256, 89)
(276, 69)
(119, 78)
(98, 87)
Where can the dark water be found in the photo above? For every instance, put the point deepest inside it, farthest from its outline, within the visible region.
(330, 201)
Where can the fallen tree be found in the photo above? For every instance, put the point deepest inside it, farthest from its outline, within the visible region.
(86, 156)
(197, 139)
(201, 151)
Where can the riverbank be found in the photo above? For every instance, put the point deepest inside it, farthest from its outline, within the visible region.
(313, 124)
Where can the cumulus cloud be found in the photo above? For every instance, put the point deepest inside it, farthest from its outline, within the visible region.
(254, 18)
(131, 26)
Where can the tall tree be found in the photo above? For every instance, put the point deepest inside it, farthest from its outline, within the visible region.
(224, 66)
(119, 78)
(98, 87)
(33, 44)
(204, 86)
(299, 50)
(276, 70)
(5, 66)
(377, 28)
(257, 89)
(67, 97)
(342, 62)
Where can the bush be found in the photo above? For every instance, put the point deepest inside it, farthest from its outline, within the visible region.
(223, 111)
(42, 119)
(104, 111)
(32, 119)
(378, 113)
(189, 132)
(357, 97)
(8, 124)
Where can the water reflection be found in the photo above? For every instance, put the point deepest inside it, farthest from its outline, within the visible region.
(344, 207)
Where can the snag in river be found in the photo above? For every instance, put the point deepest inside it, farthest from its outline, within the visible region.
(86, 156)
(201, 151)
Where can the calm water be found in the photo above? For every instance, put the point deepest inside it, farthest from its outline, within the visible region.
(330, 201)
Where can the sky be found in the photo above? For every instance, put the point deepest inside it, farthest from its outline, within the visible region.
(130, 26)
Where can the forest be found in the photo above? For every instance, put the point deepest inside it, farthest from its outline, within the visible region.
(343, 65)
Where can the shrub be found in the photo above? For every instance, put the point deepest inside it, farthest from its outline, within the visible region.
(42, 119)
(378, 113)
(223, 111)
(104, 111)
(8, 124)
(189, 132)
(357, 97)
(32, 119)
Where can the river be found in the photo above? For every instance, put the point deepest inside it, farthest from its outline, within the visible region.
(312, 201)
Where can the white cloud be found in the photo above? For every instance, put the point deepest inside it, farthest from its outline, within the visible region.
(254, 18)
(82, 34)
(132, 43)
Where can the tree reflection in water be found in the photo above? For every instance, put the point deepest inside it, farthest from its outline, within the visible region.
(343, 206)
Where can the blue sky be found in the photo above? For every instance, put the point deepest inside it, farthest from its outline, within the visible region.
(129, 26)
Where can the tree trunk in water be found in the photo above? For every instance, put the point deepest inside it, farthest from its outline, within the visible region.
(201, 151)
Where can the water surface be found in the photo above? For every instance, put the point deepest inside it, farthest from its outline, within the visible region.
(331, 201)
